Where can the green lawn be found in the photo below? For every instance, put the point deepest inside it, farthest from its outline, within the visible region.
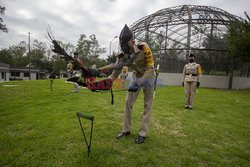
(40, 128)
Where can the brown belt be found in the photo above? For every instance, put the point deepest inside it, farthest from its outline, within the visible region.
(149, 68)
(192, 74)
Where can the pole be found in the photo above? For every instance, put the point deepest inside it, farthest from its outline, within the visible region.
(110, 45)
(29, 55)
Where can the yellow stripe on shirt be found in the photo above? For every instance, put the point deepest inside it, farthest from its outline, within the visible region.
(149, 59)
(199, 70)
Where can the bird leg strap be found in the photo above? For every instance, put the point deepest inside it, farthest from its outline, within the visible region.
(102, 85)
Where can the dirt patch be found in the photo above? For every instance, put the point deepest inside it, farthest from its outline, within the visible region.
(10, 85)
(176, 130)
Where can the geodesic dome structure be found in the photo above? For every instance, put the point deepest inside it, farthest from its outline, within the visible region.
(186, 26)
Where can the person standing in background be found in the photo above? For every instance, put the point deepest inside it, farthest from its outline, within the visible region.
(123, 76)
(191, 80)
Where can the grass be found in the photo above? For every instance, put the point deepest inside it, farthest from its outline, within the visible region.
(40, 128)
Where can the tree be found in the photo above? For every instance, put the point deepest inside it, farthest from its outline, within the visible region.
(174, 52)
(112, 58)
(95, 50)
(18, 51)
(2, 26)
(18, 54)
(58, 64)
(213, 62)
(5, 56)
(154, 42)
(15, 55)
(82, 46)
(38, 54)
(239, 39)
(89, 49)
(68, 47)
(48, 60)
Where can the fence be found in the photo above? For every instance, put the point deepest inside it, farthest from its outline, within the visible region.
(209, 81)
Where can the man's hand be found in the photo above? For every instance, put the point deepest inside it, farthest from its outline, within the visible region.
(182, 83)
(198, 84)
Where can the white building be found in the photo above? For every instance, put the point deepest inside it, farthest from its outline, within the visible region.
(63, 74)
(23, 73)
(4, 72)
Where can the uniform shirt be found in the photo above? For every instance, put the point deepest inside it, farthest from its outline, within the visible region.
(191, 72)
(140, 60)
(125, 69)
(124, 73)
(149, 59)
(69, 68)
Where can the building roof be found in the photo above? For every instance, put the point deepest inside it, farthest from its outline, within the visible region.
(26, 69)
(63, 71)
(4, 67)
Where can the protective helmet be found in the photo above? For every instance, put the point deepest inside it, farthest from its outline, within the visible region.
(124, 37)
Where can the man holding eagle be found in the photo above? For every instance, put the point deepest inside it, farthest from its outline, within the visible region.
(140, 59)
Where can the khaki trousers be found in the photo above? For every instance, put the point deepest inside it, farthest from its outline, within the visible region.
(190, 88)
(148, 90)
(75, 87)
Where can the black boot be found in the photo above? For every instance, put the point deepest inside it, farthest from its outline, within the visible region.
(122, 134)
(140, 139)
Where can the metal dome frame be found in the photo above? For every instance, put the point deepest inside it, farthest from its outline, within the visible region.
(186, 25)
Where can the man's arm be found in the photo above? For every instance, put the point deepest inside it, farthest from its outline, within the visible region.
(115, 74)
(116, 71)
(121, 61)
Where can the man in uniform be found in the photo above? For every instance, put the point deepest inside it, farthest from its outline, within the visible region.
(69, 69)
(94, 65)
(140, 58)
(191, 80)
(123, 76)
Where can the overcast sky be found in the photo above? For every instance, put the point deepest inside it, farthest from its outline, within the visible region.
(104, 18)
